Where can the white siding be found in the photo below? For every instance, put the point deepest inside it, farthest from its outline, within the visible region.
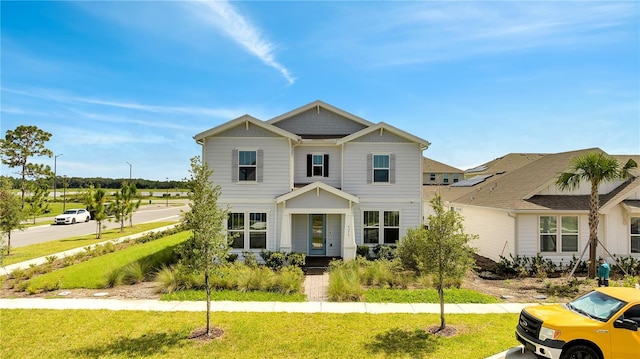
(408, 172)
(324, 200)
(218, 153)
(300, 164)
(618, 232)
(410, 216)
(495, 230)
(300, 233)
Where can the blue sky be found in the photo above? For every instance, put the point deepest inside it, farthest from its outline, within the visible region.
(134, 81)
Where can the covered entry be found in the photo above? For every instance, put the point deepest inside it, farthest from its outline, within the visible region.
(318, 220)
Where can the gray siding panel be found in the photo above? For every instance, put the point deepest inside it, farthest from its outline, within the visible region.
(319, 122)
(243, 131)
(324, 201)
(387, 137)
(300, 163)
(300, 233)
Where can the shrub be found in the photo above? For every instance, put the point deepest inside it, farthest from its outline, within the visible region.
(273, 260)
(288, 280)
(167, 280)
(384, 251)
(630, 265)
(250, 259)
(113, 278)
(232, 257)
(296, 259)
(50, 259)
(363, 251)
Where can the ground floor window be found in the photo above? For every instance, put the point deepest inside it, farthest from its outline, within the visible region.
(248, 225)
(386, 231)
(554, 238)
(635, 234)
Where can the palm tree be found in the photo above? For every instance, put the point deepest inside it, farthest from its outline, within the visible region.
(596, 168)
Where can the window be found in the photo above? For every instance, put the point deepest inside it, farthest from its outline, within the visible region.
(256, 231)
(569, 234)
(445, 178)
(371, 227)
(388, 233)
(432, 176)
(317, 165)
(247, 165)
(391, 227)
(455, 177)
(235, 227)
(635, 234)
(381, 168)
(550, 233)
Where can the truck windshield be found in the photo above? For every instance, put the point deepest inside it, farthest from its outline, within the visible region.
(596, 305)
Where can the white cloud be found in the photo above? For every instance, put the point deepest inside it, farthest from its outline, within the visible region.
(224, 16)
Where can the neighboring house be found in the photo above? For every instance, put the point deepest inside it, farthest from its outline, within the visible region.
(522, 212)
(316, 180)
(504, 164)
(437, 173)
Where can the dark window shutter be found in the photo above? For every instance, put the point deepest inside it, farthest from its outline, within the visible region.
(309, 165)
(234, 166)
(326, 165)
(369, 168)
(392, 168)
(259, 165)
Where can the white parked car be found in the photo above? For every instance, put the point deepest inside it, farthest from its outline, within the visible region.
(72, 216)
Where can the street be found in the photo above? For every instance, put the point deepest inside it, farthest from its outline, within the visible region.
(49, 231)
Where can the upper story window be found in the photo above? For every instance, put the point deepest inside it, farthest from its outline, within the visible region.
(317, 165)
(432, 176)
(381, 168)
(635, 234)
(246, 165)
(550, 232)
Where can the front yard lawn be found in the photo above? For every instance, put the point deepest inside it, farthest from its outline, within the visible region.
(452, 295)
(120, 334)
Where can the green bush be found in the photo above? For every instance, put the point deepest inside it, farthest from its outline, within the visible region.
(296, 259)
(344, 285)
(249, 259)
(363, 251)
(273, 260)
(384, 251)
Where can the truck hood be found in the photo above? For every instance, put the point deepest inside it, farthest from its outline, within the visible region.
(559, 316)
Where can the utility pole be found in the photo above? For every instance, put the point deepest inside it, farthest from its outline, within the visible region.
(167, 192)
(129, 171)
(55, 165)
(64, 193)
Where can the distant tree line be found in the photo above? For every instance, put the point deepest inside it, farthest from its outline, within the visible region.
(115, 183)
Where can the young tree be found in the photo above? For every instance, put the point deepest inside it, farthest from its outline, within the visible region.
(441, 249)
(95, 199)
(596, 168)
(20, 144)
(208, 248)
(38, 202)
(124, 203)
(11, 214)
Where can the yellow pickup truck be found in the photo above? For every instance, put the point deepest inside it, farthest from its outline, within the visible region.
(602, 324)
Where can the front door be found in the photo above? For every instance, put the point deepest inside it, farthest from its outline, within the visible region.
(317, 237)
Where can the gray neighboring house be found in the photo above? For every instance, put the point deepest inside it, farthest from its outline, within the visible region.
(522, 212)
(316, 180)
(440, 174)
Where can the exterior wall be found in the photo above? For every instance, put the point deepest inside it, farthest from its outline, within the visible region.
(276, 163)
(426, 178)
(335, 165)
(617, 236)
(319, 121)
(385, 137)
(300, 233)
(529, 242)
(333, 234)
(272, 221)
(410, 216)
(324, 200)
(495, 230)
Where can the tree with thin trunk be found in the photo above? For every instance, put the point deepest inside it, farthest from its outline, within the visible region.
(124, 203)
(95, 199)
(38, 202)
(440, 249)
(21, 144)
(11, 214)
(595, 168)
(208, 249)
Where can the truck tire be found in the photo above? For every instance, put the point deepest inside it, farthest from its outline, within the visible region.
(580, 352)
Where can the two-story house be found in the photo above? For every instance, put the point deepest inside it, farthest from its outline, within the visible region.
(315, 180)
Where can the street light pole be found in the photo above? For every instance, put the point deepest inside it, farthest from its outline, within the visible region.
(64, 193)
(55, 163)
(167, 192)
(129, 170)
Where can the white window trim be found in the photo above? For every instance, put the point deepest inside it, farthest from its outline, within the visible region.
(632, 236)
(247, 166)
(313, 165)
(373, 169)
(381, 227)
(559, 234)
(247, 231)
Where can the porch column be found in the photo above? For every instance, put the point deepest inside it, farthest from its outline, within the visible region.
(348, 238)
(285, 236)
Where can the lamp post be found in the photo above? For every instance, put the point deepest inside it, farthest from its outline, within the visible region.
(64, 193)
(55, 165)
(167, 192)
(129, 170)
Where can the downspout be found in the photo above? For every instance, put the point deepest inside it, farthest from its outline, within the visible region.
(515, 231)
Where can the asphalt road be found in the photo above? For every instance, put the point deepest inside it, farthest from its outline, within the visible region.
(49, 232)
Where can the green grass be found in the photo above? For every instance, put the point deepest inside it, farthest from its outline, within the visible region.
(94, 272)
(119, 334)
(453, 295)
(232, 295)
(25, 253)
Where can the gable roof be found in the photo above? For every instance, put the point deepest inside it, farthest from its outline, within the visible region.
(430, 165)
(317, 186)
(517, 190)
(381, 126)
(247, 120)
(324, 105)
(506, 163)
